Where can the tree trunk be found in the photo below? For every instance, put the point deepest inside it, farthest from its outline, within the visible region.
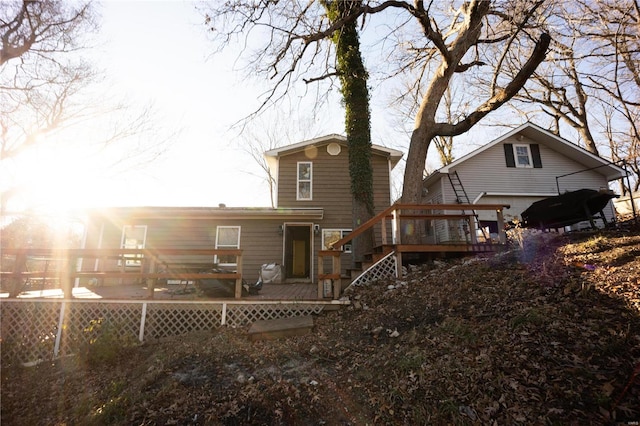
(353, 78)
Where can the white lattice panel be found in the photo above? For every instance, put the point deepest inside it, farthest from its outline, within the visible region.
(28, 330)
(165, 320)
(384, 268)
(84, 322)
(239, 315)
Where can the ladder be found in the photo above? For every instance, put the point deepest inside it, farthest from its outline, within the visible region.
(463, 198)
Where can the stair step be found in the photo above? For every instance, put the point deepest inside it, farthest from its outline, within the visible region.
(280, 327)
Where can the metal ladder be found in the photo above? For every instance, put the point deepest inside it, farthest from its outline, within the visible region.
(463, 198)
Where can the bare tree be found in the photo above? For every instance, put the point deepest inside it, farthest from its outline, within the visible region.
(445, 46)
(48, 89)
(591, 80)
(619, 90)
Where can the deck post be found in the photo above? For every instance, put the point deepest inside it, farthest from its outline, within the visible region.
(337, 283)
(64, 277)
(151, 282)
(474, 226)
(320, 273)
(383, 230)
(398, 264)
(239, 279)
(501, 233)
(396, 227)
(16, 279)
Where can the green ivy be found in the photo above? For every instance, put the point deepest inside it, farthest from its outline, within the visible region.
(355, 94)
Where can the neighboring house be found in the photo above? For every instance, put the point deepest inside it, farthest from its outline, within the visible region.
(314, 208)
(525, 165)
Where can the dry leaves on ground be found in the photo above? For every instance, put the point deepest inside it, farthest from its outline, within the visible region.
(548, 334)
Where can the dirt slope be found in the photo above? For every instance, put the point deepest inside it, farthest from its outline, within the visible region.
(545, 335)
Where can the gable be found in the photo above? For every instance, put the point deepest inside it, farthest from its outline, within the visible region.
(542, 145)
(333, 143)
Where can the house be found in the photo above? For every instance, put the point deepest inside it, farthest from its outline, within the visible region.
(313, 210)
(520, 167)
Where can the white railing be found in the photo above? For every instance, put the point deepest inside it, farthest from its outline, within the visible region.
(37, 330)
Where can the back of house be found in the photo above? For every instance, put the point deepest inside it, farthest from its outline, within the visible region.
(313, 210)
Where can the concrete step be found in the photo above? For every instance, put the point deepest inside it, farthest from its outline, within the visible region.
(280, 328)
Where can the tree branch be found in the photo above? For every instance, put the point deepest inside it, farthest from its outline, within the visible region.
(537, 56)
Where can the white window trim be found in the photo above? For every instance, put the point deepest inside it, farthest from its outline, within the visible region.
(515, 156)
(299, 181)
(227, 246)
(132, 260)
(343, 233)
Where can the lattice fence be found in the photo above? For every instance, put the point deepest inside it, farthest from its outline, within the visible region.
(34, 331)
(384, 268)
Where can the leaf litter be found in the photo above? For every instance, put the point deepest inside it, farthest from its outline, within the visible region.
(547, 333)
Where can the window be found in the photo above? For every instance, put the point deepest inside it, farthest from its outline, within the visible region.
(330, 236)
(133, 237)
(227, 237)
(304, 186)
(522, 155)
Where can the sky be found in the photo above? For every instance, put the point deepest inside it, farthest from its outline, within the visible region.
(157, 53)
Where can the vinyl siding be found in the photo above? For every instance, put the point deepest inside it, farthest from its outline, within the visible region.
(259, 239)
(331, 189)
(487, 172)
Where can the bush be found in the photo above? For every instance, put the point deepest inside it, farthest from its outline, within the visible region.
(106, 344)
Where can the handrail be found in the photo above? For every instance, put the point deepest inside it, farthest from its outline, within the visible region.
(151, 255)
(394, 211)
(360, 229)
(398, 206)
(71, 252)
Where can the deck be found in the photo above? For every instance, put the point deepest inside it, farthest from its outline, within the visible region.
(290, 291)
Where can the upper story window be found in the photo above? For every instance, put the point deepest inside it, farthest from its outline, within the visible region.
(133, 237)
(305, 180)
(227, 237)
(522, 155)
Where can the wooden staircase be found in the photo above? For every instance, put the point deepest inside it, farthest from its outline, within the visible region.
(393, 246)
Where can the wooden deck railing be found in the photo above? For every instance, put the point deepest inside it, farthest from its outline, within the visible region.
(153, 264)
(397, 213)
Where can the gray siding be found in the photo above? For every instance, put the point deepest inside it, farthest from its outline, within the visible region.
(331, 189)
(259, 240)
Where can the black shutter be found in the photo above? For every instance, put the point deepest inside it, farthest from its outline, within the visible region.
(508, 155)
(535, 153)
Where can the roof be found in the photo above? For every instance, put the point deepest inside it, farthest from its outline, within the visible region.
(207, 213)
(393, 154)
(544, 137)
